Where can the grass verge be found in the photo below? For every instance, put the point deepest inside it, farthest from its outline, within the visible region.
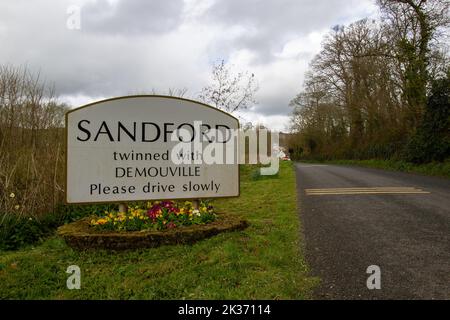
(439, 169)
(262, 262)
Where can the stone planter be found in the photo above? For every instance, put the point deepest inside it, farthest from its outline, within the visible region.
(80, 235)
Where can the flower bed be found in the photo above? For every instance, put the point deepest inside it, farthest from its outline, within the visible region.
(157, 215)
(157, 223)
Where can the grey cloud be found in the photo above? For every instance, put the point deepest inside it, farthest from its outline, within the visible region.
(131, 17)
(272, 23)
(273, 106)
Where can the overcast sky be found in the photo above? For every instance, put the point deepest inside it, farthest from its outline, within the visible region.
(133, 46)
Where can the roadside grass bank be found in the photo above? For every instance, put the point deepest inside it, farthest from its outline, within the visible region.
(264, 261)
(438, 169)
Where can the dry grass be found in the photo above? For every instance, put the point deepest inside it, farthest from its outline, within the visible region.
(31, 180)
(31, 145)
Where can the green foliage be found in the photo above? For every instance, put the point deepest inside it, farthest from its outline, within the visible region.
(432, 139)
(17, 231)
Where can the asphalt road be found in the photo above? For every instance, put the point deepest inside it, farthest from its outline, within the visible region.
(406, 234)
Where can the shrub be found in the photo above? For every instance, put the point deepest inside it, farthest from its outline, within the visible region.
(20, 230)
(432, 139)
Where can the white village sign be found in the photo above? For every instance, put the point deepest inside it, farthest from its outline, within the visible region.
(123, 149)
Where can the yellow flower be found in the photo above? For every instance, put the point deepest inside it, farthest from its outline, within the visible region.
(12, 195)
(101, 221)
(17, 207)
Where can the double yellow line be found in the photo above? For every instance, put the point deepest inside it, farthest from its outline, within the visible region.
(370, 190)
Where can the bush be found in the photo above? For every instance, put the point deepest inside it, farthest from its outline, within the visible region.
(432, 139)
(17, 231)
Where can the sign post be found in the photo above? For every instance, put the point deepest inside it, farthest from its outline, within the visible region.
(123, 208)
(139, 148)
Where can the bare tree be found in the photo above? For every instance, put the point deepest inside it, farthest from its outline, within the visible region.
(366, 92)
(171, 92)
(229, 91)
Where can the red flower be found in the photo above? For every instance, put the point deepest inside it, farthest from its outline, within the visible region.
(151, 213)
(171, 225)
